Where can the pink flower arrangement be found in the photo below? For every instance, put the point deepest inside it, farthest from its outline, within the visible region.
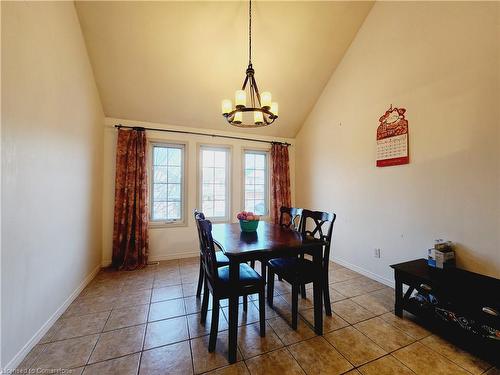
(249, 216)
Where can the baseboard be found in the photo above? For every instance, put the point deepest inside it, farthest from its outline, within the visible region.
(14, 362)
(364, 272)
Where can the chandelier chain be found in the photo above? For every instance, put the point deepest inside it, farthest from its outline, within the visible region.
(250, 32)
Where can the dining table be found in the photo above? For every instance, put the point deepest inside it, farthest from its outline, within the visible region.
(268, 242)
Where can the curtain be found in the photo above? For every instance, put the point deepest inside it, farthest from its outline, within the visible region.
(280, 180)
(130, 231)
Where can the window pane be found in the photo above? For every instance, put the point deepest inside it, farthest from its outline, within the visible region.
(208, 176)
(259, 207)
(208, 208)
(249, 176)
(160, 155)
(207, 192)
(159, 210)
(220, 209)
(174, 156)
(220, 159)
(160, 192)
(220, 192)
(249, 195)
(259, 177)
(256, 182)
(249, 206)
(174, 175)
(249, 161)
(174, 192)
(174, 210)
(260, 161)
(220, 176)
(207, 157)
(160, 174)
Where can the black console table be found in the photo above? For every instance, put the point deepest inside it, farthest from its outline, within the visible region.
(460, 304)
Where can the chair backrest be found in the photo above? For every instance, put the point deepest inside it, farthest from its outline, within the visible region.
(207, 249)
(290, 217)
(319, 225)
(198, 215)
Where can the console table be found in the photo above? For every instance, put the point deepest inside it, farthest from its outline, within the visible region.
(462, 305)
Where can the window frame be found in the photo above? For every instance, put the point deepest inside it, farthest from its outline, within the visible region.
(184, 155)
(216, 147)
(267, 189)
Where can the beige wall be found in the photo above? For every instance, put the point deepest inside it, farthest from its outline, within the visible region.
(51, 169)
(178, 242)
(440, 61)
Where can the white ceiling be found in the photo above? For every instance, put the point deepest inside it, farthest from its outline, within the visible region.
(173, 62)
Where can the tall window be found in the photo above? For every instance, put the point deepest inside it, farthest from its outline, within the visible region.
(215, 182)
(256, 182)
(167, 183)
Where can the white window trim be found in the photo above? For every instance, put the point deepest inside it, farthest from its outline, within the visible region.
(170, 223)
(229, 187)
(267, 191)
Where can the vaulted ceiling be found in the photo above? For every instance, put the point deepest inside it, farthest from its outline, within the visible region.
(173, 62)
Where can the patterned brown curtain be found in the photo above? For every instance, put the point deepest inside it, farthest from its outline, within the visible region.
(130, 232)
(280, 180)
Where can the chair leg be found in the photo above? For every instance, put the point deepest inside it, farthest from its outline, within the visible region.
(270, 287)
(263, 269)
(204, 304)
(245, 303)
(262, 313)
(214, 326)
(326, 296)
(200, 280)
(252, 263)
(303, 291)
(295, 305)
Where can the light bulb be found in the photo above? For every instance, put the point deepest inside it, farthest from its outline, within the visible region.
(258, 118)
(238, 117)
(240, 98)
(227, 106)
(265, 99)
(274, 108)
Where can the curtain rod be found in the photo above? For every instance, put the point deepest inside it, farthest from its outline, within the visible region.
(120, 126)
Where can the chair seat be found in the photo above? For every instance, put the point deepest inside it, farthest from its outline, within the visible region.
(248, 276)
(293, 268)
(222, 260)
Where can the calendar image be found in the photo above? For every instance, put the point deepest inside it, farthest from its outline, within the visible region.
(392, 138)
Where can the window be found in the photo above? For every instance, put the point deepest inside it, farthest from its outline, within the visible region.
(256, 182)
(214, 182)
(167, 183)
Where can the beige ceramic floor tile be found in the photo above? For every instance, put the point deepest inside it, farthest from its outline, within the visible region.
(330, 323)
(304, 303)
(287, 334)
(342, 274)
(30, 358)
(165, 332)
(462, 358)
(270, 313)
(193, 304)
(236, 369)
(386, 336)
(378, 302)
(89, 305)
(127, 365)
(81, 325)
(355, 346)
(317, 356)
(278, 362)
(189, 290)
(67, 353)
(351, 311)
(172, 359)
(139, 297)
(405, 324)
(335, 295)
(251, 344)
(204, 361)
(118, 343)
(387, 365)
(357, 286)
(166, 309)
(250, 316)
(166, 293)
(196, 329)
(126, 317)
(424, 361)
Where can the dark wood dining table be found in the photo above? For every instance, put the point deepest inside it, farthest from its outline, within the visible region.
(268, 242)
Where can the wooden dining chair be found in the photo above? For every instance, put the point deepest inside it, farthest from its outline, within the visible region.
(217, 283)
(299, 271)
(219, 255)
(290, 217)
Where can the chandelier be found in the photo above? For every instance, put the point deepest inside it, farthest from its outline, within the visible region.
(248, 101)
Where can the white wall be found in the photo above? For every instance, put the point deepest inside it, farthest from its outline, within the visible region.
(51, 169)
(179, 242)
(440, 61)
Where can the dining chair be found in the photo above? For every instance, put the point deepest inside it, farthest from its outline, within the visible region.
(219, 255)
(290, 218)
(299, 271)
(217, 283)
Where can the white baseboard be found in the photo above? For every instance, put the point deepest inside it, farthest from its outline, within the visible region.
(14, 362)
(364, 272)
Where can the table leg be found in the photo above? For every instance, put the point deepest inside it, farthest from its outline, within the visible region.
(398, 300)
(234, 276)
(318, 290)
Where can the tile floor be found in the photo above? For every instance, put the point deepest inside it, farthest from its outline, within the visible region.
(147, 322)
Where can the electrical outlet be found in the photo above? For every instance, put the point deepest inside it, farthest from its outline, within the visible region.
(376, 253)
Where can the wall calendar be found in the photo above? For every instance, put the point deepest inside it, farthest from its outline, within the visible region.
(392, 138)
